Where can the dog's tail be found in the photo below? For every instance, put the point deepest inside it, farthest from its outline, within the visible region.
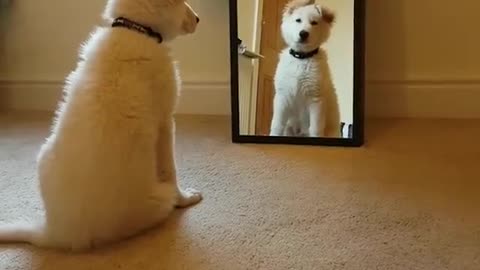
(23, 233)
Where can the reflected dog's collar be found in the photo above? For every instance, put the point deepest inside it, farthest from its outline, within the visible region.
(126, 23)
(304, 55)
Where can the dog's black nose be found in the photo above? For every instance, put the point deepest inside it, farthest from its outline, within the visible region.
(198, 19)
(304, 35)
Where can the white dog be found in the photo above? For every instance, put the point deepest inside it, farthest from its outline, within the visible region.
(107, 172)
(305, 102)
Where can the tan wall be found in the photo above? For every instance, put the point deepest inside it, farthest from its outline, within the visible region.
(422, 56)
(44, 36)
(40, 40)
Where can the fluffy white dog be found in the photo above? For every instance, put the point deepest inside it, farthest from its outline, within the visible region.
(305, 102)
(107, 171)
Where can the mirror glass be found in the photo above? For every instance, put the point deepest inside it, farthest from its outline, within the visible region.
(296, 68)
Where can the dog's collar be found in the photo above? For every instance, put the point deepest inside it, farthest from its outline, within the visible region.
(124, 22)
(304, 55)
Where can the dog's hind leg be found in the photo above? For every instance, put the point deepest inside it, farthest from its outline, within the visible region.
(155, 209)
(166, 167)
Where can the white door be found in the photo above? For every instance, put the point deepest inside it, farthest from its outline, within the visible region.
(249, 27)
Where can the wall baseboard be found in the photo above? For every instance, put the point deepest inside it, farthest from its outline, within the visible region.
(449, 99)
(209, 98)
(384, 99)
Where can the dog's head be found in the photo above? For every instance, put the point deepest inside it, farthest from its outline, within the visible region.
(184, 15)
(171, 18)
(306, 25)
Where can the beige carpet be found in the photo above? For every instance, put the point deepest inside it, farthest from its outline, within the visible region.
(410, 199)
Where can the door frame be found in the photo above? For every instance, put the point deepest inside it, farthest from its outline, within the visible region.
(256, 66)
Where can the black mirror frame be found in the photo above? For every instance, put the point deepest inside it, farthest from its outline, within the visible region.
(357, 139)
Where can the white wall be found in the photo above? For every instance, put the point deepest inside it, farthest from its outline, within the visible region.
(422, 56)
(39, 48)
(246, 16)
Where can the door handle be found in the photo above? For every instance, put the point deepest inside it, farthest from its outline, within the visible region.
(250, 54)
(242, 50)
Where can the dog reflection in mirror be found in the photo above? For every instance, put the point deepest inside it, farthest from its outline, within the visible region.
(305, 101)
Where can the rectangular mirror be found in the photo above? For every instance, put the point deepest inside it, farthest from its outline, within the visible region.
(297, 71)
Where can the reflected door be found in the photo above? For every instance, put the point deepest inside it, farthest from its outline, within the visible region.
(248, 21)
(270, 46)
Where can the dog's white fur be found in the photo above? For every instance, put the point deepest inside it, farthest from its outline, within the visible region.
(305, 101)
(107, 171)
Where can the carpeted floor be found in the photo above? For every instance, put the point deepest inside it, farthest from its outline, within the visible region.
(409, 199)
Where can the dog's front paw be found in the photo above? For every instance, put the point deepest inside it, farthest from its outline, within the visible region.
(276, 132)
(313, 133)
(188, 197)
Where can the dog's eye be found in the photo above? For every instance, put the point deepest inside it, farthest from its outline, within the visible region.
(298, 20)
(314, 23)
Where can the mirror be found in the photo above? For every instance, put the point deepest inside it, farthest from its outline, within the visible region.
(297, 71)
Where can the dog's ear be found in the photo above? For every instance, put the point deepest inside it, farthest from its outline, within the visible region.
(294, 4)
(328, 15)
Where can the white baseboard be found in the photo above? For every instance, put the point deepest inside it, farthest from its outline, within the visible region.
(423, 99)
(29, 95)
(384, 99)
(210, 98)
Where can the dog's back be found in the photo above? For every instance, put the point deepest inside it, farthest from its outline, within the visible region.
(97, 169)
